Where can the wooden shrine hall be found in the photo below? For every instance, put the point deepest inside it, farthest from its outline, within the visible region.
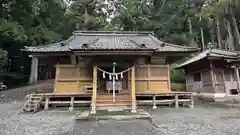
(109, 68)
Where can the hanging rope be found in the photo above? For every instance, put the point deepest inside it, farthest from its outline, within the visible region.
(109, 73)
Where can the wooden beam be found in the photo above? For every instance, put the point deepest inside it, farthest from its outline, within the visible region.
(133, 91)
(94, 92)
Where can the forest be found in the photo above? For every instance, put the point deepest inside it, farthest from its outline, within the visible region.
(199, 23)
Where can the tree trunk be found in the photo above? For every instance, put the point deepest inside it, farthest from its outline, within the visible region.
(235, 28)
(202, 37)
(210, 26)
(230, 36)
(218, 35)
(190, 31)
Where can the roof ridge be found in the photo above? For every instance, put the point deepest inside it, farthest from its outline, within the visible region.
(111, 32)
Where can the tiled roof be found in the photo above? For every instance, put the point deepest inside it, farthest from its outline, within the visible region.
(210, 52)
(111, 40)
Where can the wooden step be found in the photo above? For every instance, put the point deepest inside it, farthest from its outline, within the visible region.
(34, 97)
(113, 103)
(116, 97)
(33, 101)
(111, 107)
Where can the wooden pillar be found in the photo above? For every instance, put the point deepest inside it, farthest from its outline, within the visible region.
(186, 82)
(34, 70)
(46, 103)
(176, 101)
(224, 80)
(237, 76)
(212, 77)
(169, 78)
(94, 91)
(154, 102)
(191, 101)
(133, 91)
(73, 59)
(71, 104)
(56, 77)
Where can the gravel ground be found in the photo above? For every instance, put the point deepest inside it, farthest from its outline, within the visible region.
(205, 119)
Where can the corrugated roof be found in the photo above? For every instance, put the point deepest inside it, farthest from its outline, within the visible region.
(210, 52)
(113, 40)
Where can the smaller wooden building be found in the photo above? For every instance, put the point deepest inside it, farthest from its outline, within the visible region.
(212, 73)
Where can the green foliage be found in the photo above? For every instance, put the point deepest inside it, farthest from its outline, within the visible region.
(3, 58)
(87, 14)
(177, 76)
(12, 30)
(178, 86)
(168, 19)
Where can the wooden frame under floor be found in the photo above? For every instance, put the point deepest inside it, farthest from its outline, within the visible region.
(152, 99)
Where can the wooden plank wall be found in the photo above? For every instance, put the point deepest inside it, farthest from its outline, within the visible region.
(152, 78)
(72, 78)
(207, 81)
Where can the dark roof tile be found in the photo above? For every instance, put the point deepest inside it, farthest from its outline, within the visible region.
(120, 40)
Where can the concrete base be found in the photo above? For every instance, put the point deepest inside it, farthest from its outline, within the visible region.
(71, 109)
(154, 107)
(211, 96)
(87, 117)
(218, 97)
(93, 112)
(133, 111)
